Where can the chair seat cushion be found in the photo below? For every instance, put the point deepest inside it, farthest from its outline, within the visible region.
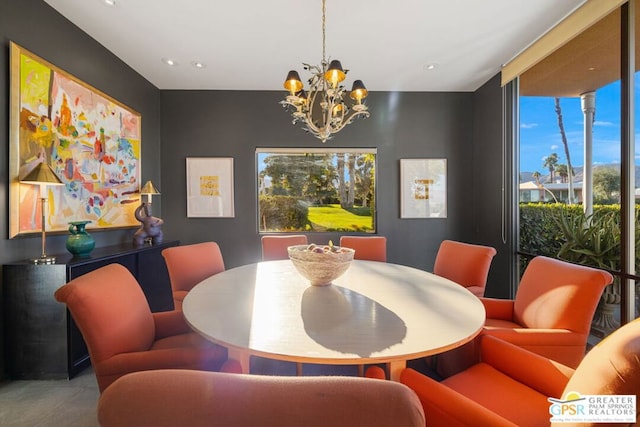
(476, 290)
(501, 394)
(499, 323)
(184, 351)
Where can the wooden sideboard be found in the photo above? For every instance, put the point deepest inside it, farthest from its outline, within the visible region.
(41, 339)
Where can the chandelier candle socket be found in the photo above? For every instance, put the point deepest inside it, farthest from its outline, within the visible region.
(323, 110)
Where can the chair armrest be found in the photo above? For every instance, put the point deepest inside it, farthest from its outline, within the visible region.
(446, 407)
(544, 375)
(169, 323)
(498, 308)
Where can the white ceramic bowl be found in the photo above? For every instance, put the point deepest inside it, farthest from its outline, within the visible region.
(320, 268)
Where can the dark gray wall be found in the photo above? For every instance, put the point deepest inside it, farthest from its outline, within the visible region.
(40, 29)
(489, 183)
(402, 125)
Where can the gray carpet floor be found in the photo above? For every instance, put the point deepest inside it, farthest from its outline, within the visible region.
(59, 403)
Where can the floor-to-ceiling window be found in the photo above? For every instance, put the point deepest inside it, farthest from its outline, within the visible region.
(577, 162)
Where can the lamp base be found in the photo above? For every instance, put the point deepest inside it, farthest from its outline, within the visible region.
(44, 259)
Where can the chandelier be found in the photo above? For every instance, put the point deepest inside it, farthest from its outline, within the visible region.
(323, 110)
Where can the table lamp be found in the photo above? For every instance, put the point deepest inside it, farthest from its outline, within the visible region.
(42, 175)
(151, 230)
(149, 190)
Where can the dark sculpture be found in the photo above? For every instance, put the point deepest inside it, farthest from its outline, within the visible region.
(151, 226)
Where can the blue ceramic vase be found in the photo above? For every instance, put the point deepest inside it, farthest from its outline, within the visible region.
(80, 243)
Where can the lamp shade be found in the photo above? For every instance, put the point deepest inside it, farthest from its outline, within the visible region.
(293, 83)
(42, 174)
(335, 74)
(358, 91)
(148, 188)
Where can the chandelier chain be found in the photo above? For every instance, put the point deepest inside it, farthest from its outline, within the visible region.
(324, 7)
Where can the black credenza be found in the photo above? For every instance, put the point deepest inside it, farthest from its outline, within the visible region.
(41, 339)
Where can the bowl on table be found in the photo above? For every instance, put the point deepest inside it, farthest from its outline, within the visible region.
(320, 264)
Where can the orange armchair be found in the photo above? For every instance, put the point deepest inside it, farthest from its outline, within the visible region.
(371, 248)
(189, 398)
(465, 264)
(121, 333)
(510, 386)
(188, 265)
(275, 247)
(552, 311)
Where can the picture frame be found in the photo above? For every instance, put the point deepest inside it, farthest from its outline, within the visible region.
(210, 192)
(91, 141)
(423, 192)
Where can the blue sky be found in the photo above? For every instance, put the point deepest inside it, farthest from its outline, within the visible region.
(540, 134)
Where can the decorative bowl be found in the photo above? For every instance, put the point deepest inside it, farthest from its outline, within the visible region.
(321, 267)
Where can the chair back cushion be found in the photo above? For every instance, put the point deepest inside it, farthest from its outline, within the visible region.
(464, 263)
(198, 398)
(370, 248)
(275, 247)
(611, 367)
(188, 265)
(110, 310)
(556, 294)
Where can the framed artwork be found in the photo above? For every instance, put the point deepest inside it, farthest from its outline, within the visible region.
(210, 187)
(423, 191)
(91, 141)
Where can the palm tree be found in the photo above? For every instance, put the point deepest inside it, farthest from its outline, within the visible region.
(550, 163)
(566, 150)
(563, 172)
(536, 176)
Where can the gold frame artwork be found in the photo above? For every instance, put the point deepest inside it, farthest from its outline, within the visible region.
(210, 187)
(91, 141)
(423, 192)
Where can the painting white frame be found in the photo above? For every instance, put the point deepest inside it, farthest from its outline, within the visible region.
(210, 187)
(423, 188)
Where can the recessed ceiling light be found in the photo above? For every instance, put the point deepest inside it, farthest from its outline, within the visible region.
(198, 64)
(430, 67)
(591, 68)
(170, 62)
(109, 2)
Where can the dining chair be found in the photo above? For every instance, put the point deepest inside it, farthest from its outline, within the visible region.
(371, 248)
(188, 265)
(124, 336)
(465, 264)
(511, 386)
(190, 398)
(275, 247)
(552, 311)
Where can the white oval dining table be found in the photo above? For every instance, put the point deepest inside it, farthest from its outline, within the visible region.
(376, 312)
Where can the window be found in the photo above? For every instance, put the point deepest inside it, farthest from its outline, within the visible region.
(316, 190)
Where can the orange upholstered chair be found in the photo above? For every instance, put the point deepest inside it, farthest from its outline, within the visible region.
(275, 247)
(195, 399)
(510, 386)
(371, 248)
(121, 333)
(552, 311)
(188, 265)
(465, 264)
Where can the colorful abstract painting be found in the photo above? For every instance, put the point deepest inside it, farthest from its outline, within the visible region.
(91, 141)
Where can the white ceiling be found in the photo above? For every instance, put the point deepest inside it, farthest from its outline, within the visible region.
(252, 44)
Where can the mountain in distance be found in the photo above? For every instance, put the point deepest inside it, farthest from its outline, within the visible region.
(577, 177)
